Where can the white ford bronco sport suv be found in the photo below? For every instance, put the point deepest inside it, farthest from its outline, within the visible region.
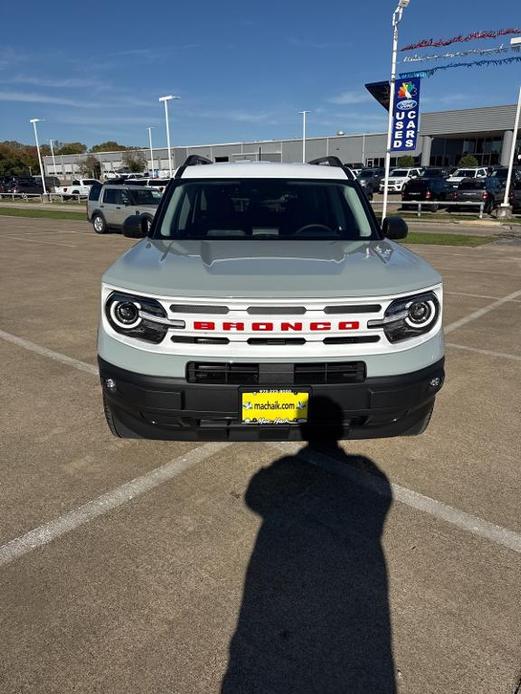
(261, 292)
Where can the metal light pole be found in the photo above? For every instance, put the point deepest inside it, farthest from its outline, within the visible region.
(165, 100)
(504, 208)
(52, 155)
(151, 151)
(34, 121)
(397, 17)
(304, 114)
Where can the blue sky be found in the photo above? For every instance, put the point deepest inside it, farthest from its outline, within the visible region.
(243, 70)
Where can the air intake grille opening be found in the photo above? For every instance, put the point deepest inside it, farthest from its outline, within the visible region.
(329, 372)
(233, 374)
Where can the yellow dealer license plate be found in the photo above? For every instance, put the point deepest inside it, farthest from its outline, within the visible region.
(274, 407)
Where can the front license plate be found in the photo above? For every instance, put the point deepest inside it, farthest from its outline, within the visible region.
(274, 407)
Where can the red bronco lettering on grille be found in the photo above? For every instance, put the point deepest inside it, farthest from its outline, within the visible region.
(285, 326)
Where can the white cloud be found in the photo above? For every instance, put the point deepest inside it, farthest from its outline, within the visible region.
(35, 98)
(60, 83)
(350, 97)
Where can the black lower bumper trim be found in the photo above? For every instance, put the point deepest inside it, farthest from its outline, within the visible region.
(169, 408)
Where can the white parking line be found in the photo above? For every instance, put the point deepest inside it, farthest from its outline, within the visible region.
(486, 352)
(104, 504)
(39, 241)
(476, 296)
(465, 521)
(45, 352)
(481, 312)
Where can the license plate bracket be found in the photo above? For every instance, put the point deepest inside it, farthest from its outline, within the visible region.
(274, 406)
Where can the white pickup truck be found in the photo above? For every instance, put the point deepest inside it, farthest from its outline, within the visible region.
(79, 187)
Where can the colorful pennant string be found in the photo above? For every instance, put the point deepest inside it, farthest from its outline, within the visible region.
(474, 36)
(476, 63)
(417, 57)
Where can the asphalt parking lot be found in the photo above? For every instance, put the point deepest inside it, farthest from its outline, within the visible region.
(143, 566)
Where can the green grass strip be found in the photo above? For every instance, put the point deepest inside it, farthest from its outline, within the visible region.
(43, 214)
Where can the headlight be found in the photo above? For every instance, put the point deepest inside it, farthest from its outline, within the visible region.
(136, 316)
(409, 317)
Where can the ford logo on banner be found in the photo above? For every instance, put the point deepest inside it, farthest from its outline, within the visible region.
(406, 115)
(407, 104)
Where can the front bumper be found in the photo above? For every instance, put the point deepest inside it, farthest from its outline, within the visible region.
(171, 408)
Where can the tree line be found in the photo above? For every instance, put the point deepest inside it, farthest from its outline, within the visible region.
(18, 159)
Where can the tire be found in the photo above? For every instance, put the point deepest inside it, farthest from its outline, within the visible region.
(435, 208)
(489, 206)
(98, 223)
(421, 425)
(116, 427)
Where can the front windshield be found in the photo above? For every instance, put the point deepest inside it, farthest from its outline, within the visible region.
(274, 209)
(465, 173)
(366, 174)
(398, 173)
(145, 196)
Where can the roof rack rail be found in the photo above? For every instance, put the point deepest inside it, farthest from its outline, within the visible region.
(334, 161)
(192, 160)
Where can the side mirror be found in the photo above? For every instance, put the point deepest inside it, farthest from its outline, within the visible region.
(135, 227)
(395, 227)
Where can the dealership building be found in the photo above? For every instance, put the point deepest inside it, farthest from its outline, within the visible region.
(444, 137)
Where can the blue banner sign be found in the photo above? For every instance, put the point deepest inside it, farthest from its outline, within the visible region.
(406, 115)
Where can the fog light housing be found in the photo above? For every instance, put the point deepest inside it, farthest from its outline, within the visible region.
(110, 384)
(435, 382)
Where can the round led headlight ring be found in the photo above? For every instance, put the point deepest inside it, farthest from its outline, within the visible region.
(125, 314)
(420, 313)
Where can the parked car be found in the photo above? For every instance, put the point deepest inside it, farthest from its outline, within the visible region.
(210, 328)
(23, 186)
(157, 183)
(425, 188)
(471, 172)
(435, 172)
(370, 180)
(478, 190)
(110, 204)
(398, 178)
(79, 187)
(515, 195)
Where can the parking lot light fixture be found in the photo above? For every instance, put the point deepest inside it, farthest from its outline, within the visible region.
(397, 18)
(34, 121)
(165, 100)
(304, 114)
(151, 151)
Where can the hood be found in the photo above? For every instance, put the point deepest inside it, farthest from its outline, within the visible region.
(274, 269)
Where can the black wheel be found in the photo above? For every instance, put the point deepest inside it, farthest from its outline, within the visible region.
(435, 208)
(98, 223)
(489, 206)
(421, 425)
(116, 427)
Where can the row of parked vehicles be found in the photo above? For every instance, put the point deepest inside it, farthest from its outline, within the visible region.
(26, 186)
(478, 185)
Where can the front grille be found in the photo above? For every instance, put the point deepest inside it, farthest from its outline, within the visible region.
(276, 310)
(276, 341)
(329, 372)
(298, 374)
(232, 374)
(357, 308)
(192, 308)
(351, 340)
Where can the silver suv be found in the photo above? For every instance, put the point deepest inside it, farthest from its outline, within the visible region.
(267, 303)
(109, 205)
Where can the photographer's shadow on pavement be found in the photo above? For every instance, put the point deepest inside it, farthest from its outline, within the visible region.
(315, 615)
